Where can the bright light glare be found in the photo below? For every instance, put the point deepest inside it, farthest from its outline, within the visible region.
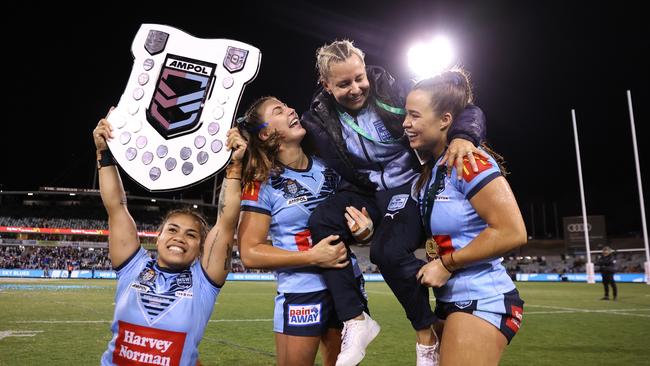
(429, 59)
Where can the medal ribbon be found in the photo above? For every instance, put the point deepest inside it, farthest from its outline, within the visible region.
(430, 199)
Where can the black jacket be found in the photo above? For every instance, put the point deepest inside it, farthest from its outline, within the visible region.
(606, 263)
(325, 138)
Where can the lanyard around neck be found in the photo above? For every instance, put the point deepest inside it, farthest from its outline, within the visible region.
(347, 118)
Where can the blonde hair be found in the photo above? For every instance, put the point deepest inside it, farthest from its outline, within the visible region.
(337, 51)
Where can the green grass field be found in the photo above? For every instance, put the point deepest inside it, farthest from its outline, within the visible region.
(66, 322)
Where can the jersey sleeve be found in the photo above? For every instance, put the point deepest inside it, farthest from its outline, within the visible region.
(133, 263)
(256, 197)
(129, 270)
(472, 182)
(209, 289)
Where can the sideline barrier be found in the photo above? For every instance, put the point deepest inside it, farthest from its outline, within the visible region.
(577, 277)
(370, 277)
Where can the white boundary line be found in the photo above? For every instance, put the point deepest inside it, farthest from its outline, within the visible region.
(565, 310)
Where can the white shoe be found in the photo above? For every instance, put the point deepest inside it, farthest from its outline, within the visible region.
(427, 355)
(356, 336)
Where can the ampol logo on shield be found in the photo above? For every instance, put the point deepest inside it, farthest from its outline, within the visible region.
(179, 95)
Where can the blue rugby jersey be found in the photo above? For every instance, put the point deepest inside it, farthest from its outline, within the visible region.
(290, 199)
(388, 165)
(160, 316)
(454, 224)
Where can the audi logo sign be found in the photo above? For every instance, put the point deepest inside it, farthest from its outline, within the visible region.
(574, 228)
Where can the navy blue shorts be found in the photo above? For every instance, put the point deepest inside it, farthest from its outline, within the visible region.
(504, 311)
(307, 314)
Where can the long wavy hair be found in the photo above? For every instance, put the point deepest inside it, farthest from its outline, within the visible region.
(261, 155)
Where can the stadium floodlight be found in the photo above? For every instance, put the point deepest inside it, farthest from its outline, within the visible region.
(429, 59)
(30, 194)
(195, 206)
(153, 200)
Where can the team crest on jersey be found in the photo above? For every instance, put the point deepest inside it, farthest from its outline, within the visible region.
(183, 281)
(302, 315)
(482, 164)
(398, 202)
(155, 304)
(292, 188)
(463, 304)
(384, 134)
(148, 275)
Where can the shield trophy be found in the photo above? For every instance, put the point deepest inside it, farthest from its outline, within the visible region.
(180, 100)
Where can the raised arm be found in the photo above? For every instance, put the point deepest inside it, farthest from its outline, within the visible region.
(257, 253)
(217, 251)
(123, 238)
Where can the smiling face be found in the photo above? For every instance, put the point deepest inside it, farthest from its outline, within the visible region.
(281, 119)
(424, 128)
(348, 82)
(179, 241)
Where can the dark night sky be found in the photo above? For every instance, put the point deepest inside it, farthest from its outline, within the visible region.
(530, 61)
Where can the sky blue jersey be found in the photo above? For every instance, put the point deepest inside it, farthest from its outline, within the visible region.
(455, 223)
(389, 165)
(160, 316)
(290, 199)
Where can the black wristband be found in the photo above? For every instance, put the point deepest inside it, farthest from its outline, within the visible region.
(105, 159)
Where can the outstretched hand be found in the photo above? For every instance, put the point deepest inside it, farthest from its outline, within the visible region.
(459, 150)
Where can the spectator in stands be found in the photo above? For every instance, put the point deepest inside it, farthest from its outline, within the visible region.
(607, 266)
(470, 222)
(185, 279)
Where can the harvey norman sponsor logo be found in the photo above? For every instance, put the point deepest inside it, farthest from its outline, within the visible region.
(138, 345)
(301, 315)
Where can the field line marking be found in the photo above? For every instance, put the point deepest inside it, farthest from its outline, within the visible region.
(566, 310)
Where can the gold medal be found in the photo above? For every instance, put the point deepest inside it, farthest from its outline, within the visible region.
(431, 247)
